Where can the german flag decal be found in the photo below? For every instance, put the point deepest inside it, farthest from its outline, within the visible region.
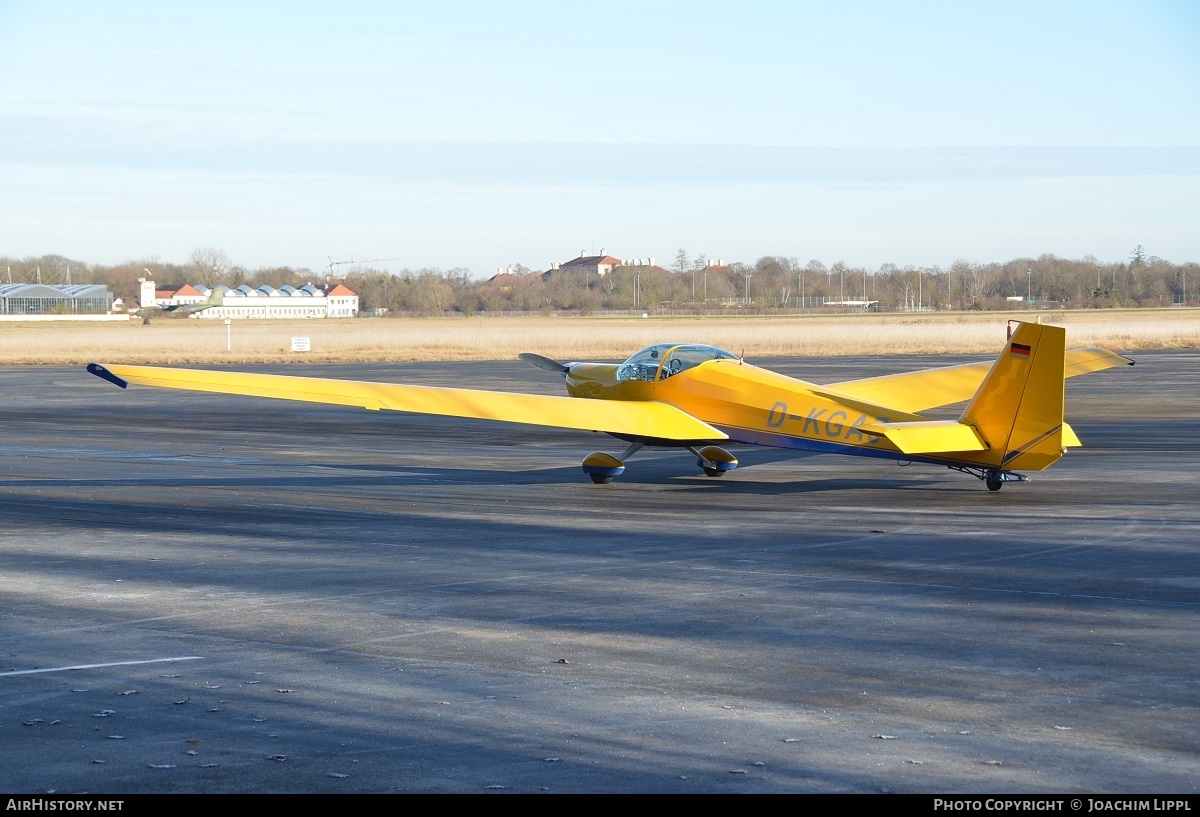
(1019, 350)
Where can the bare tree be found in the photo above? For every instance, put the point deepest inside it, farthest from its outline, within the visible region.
(208, 265)
(681, 261)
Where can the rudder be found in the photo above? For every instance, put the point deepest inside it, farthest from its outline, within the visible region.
(1018, 409)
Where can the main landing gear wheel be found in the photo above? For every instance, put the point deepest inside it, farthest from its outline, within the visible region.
(604, 468)
(714, 461)
(993, 481)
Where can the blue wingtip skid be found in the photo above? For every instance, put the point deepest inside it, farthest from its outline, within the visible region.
(100, 371)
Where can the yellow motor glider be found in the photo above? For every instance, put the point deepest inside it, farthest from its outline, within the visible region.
(698, 397)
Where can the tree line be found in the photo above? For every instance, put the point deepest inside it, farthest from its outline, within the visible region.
(772, 283)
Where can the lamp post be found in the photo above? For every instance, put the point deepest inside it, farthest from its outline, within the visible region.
(1029, 287)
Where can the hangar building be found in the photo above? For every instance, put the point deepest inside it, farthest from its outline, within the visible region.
(43, 299)
(308, 301)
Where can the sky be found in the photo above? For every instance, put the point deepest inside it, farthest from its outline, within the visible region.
(483, 135)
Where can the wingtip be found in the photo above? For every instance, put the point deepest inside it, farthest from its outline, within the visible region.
(105, 374)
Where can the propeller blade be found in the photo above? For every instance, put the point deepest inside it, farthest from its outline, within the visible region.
(542, 362)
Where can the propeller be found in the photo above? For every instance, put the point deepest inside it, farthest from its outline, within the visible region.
(542, 362)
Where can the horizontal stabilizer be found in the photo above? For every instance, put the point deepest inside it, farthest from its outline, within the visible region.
(1095, 359)
(931, 437)
(914, 392)
(634, 418)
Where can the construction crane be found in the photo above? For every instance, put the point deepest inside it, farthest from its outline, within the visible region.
(334, 264)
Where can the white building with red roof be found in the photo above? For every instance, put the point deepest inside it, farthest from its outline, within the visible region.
(149, 295)
(342, 302)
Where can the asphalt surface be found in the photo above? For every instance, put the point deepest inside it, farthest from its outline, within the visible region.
(378, 602)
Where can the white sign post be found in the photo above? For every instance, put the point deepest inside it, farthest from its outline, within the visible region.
(301, 345)
(228, 335)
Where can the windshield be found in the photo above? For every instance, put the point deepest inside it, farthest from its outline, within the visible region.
(671, 358)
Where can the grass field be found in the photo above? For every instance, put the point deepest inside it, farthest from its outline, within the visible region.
(176, 341)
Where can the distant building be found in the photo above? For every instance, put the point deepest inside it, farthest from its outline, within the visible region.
(852, 304)
(43, 299)
(506, 279)
(172, 296)
(307, 301)
(601, 264)
(343, 302)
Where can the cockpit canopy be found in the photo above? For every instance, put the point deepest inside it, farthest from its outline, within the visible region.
(662, 360)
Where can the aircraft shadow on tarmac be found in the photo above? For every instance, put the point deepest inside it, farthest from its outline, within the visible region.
(302, 477)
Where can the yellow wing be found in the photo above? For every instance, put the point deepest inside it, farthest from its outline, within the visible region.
(635, 418)
(914, 392)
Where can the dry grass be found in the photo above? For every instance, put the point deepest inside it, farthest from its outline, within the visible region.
(381, 340)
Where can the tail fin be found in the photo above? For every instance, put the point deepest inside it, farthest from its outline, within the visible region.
(216, 297)
(1018, 409)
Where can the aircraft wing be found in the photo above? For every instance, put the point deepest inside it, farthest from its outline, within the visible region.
(914, 392)
(634, 418)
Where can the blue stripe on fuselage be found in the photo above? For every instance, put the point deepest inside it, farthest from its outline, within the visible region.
(766, 438)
